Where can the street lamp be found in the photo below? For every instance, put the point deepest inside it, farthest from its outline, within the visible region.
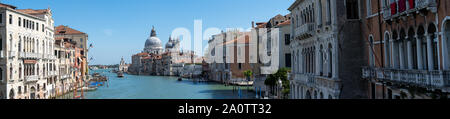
(280, 87)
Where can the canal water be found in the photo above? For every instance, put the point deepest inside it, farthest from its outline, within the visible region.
(159, 87)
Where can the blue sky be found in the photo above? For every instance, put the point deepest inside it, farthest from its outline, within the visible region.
(119, 28)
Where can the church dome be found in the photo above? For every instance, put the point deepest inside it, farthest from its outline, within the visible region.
(169, 45)
(153, 41)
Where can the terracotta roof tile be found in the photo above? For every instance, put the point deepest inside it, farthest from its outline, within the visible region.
(61, 30)
(142, 54)
(7, 6)
(288, 22)
(33, 12)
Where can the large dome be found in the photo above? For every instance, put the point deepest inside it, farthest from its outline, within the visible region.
(153, 42)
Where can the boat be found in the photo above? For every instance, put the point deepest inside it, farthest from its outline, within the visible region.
(180, 79)
(120, 74)
(87, 89)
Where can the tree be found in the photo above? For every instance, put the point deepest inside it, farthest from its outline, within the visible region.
(248, 74)
(281, 74)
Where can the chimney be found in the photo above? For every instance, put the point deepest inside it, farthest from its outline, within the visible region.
(253, 24)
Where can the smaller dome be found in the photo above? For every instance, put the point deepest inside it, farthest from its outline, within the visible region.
(169, 45)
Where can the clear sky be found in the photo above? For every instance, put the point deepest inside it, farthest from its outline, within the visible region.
(119, 28)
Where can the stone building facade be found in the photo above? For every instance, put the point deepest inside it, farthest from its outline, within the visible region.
(406, 45)
(26, 52)
(282, 25)
(327, 50)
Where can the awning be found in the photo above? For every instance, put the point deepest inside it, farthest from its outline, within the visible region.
(29, 61)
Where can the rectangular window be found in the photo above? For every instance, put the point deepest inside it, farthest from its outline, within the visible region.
(372, 85)
(287, 59)
(287, 39)
(24, 23)
(240, 66)
(37, 26)
(329, 12)
(10, 19)
(19, 21)
(43, 28)
(352, 9)
(320, 14)
(369, 7)
(1, 18)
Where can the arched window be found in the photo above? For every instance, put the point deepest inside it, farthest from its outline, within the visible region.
(19, 44)
(395, 50)
(387, 50)
(321, 95)
(315, 94)
(1, 42)
(313, 63)
(434, 47)
(446, 43)
(25, 44)
(330, 60)
(1, 75)
(32, 93)
(321, 60)
(11, 94)
(413, 49)
(11, 42)
(371, 52)
(403, 54)
(11, 72)
(20, 90)
(38, 87)
(308, 95)
(20, 71)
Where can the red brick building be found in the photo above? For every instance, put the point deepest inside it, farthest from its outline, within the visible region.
(407, 48)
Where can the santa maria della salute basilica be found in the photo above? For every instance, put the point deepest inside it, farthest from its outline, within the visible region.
(168, 61)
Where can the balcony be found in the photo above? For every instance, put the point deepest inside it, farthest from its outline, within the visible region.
(31, 78)
(2, 55)
(53, 73)
(406, 7)
(12, 54)
(306, 30)
(29, 55)
(65, 76)
(49, 56)
(313, 80)
(422, 78)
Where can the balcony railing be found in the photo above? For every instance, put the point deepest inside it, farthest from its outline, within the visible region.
(29, 55)
(31, 78)
(53, 73)
(312, 80)
(403, 7)
(49, 56)
(65, 76)
(423, 78)
(306, 30)
(2, 55)
(12, 54)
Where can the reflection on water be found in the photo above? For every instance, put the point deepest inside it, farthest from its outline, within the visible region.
(159, 87)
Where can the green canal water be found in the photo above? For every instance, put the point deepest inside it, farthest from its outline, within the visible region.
(159, 87)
